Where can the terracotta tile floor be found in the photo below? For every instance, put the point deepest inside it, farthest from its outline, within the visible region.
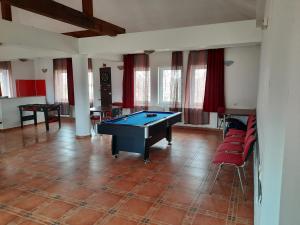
(53, 178)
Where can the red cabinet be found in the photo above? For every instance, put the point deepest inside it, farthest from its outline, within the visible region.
(25, 88)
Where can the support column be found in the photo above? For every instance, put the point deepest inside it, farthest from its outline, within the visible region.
(81, 92)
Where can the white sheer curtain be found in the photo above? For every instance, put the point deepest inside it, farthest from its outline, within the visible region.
(198, 80)
(175, 81)
(6, 79)
(195, 89)
(61, 85)
(142, 82)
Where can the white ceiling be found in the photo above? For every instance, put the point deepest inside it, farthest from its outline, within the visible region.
(145, 15)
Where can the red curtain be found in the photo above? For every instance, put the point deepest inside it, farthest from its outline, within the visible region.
(128, 81)
(177, 65)
(214, 97)
(70, 82)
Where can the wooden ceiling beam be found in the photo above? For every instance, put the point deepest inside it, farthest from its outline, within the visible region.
(57, 11)
(83, 34)
(87, 7)
(6, 11)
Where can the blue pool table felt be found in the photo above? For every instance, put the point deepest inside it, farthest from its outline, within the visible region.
(140, 119)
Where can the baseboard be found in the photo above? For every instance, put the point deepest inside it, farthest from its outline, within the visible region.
(204, 129)
(83, 137)
(24, 126)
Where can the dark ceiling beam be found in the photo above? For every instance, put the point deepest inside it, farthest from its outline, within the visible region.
(6, 11)
(87, 7)
(82, 34)
(57, 11)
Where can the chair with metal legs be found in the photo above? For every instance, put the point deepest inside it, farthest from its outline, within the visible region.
(237, 160)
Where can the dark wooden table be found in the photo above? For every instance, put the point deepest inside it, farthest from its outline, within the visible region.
(104, 109)
(45, 108)
(239, 112)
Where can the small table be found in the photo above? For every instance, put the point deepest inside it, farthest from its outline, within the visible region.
(103, 109)
(137, 132)
(45, 108)
(236, 112)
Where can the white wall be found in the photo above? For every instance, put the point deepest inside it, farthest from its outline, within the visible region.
(45, 63)
(22, 71)
(9, 112)
(241, 78)
(278, 116)
(185, 38)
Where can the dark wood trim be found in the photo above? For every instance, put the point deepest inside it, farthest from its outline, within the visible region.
(83, 137)
(87, 7)
(6, 11)
(57, 11)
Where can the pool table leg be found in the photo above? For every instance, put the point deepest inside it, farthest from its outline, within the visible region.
(146, 154)
(169, 135)
(114, 150)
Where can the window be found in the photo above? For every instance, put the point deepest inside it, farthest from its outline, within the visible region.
(198, 87)
(4, 82)
(168, 86)
(142, 92)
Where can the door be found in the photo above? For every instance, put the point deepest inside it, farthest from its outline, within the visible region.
(105, 86)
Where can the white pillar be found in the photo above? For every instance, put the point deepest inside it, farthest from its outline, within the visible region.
(81, 92)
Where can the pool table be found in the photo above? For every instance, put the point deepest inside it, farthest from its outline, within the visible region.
(137, 132)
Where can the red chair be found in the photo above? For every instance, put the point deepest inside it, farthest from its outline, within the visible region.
(239, 138)
(107, 115)
(94, 120)
(234, 159)
(235, 147)
(235, 132)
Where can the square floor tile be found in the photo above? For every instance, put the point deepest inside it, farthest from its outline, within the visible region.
(10, 194)
(30, 202)
(55, 209)
(245, 210)
(212, 203)
(136, 206)
(180, 197)
(120, 221)
(6, 217)
(169, 215)
(29, 222)
(207, 220)
(124, 185)
(80, 193)
(104, 199)
(84, 217)
(151, 189)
